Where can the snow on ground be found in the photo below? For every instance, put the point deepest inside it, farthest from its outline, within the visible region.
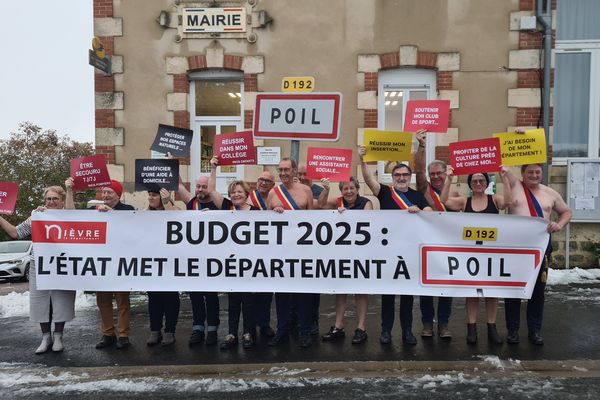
(17, 304)
(575, 275)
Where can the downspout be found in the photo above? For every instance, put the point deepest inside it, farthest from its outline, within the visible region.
(544, 17)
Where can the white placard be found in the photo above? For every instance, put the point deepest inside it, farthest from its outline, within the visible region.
(268, 155)
(373, 252)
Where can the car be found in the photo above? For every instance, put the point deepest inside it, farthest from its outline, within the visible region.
(15, 260)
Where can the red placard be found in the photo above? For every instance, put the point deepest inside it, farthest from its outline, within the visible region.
(431, 115)
(235, 148)
(473, 156)
(89, 172)
(8, 197)
(334, 164)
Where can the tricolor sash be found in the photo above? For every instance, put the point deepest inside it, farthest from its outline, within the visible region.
(437, 201)
(340, 202)
(257, 200)
(534, 206)
(196, 205)
(285, 197)
(400, 199)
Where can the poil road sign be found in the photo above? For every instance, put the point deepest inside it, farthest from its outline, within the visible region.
(298, 116)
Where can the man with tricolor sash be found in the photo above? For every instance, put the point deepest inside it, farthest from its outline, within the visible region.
(288, 196)
(205, 305)
(532, 198)
(258, 198)
(432, 191)
(399, 196)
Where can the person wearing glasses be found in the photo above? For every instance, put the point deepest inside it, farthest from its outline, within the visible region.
(46, 306)
(432, 191)
(291, 195)
(480, 202)
(349, 200)
(262, 301)
(399, 196)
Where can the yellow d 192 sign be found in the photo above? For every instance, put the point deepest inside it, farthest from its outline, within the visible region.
(298, 84)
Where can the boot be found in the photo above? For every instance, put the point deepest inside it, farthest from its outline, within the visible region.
(57, 346)
(154, 338)
(493, 336)
(45, 345)
(168, 339)
(472, 333)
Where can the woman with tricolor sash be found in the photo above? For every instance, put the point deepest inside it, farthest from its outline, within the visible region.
(479, 202)
(349, 200)
(239, 303)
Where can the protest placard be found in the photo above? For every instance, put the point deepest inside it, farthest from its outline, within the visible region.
(170, 139)
(153, 174)
(473, 156)
(8, 197)
(235, 148)
(387, 145)
(431, 115)
(89, 172)
(523, 148)
(334, 164)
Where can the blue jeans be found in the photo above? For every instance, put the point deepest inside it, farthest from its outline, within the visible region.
(387, 312)
(427, 311)
(205, 307)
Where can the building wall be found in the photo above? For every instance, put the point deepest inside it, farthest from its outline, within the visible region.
(484, 65)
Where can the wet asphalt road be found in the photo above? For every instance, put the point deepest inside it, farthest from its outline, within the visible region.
(571, 331)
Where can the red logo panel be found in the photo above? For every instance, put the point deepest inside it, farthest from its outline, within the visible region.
(68, 232)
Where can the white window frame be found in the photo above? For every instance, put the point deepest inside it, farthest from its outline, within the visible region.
(196, 122)
(405, 79)
(591, 47)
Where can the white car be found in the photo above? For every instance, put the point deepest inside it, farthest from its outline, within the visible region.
(15, 259)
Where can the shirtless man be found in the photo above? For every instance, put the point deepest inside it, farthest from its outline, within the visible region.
(291, 195)
(264, 184)
(399, 196)
(543, 201)
(432, 190)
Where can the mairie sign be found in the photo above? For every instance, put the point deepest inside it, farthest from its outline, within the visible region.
(203, 19)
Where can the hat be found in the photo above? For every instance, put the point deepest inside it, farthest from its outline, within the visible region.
(117, 187)
(153, 188)
(485, 175)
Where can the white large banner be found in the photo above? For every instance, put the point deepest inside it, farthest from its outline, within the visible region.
(373, 252)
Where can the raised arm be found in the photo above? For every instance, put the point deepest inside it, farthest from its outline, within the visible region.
(366, 172)
(69, 202)
(216, 197)
(453, 202)
(324, 202)
(422, 183)
(506, 200)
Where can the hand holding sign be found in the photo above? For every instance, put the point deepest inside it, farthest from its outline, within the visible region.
(235, 148)
(473, 156)
(8, 197)
(387, 145)
(150, 174)
(89, 172)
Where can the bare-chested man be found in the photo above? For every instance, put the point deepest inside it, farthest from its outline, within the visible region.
(291, 195)
(432, 191)
(264, 184)
(532, 198)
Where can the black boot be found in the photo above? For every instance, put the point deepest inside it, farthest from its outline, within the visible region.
(471, 333)
(493, 336)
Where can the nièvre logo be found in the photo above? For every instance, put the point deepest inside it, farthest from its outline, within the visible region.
(68, 232)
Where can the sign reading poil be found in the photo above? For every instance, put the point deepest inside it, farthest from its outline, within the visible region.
(204, 19)
(235, 148)
(8, 197)
(89, 172)
(300, 116)
(431, 115)
(473, 156)
(334, 164)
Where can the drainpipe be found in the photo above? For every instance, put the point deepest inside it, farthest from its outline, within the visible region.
(544, 17)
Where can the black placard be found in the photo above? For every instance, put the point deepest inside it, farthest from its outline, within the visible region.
(170, 139)
(156, 174)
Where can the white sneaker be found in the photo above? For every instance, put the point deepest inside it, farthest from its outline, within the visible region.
(57, 346)
(45, 345)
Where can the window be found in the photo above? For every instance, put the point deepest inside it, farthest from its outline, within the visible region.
(577, 81)
(396, 87)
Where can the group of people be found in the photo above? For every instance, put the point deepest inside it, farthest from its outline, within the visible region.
(526, 197)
